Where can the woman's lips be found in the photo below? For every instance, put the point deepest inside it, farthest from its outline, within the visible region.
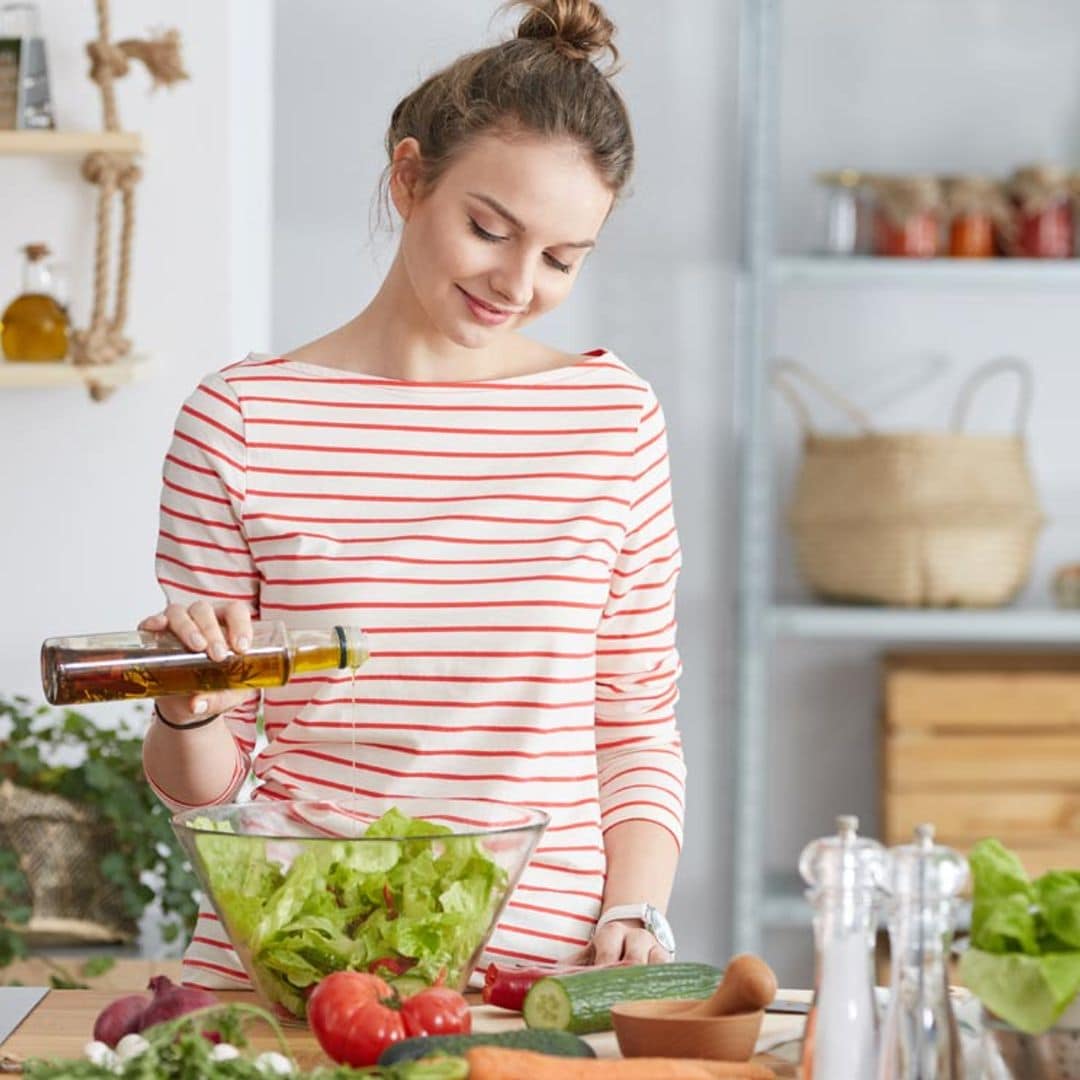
(485, 313)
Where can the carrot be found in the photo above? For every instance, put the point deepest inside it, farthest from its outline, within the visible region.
(497, 1063)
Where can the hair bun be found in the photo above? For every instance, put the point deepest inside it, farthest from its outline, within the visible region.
(578, 29)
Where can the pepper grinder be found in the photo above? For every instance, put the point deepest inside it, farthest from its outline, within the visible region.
(920, 1040)
(844, 874)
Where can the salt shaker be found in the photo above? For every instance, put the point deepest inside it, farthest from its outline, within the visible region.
(920, 1040)
(844, 874)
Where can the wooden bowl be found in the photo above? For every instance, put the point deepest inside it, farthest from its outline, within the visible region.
(656, 1029)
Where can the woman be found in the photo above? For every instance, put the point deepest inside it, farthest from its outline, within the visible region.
(495, 513)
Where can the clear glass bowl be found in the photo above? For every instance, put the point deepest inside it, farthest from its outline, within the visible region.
(409, 888)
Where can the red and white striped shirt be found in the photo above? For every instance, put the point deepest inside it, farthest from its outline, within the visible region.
(510, 549)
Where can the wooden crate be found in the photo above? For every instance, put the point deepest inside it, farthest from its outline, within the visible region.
(985, 744)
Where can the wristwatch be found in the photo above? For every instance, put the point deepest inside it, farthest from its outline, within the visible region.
(652, 919)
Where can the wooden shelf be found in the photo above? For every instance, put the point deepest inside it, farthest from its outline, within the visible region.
(19, 375)
(72, 143)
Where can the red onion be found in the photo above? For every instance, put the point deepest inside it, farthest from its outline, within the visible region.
(119, 1018)
(171, 1001)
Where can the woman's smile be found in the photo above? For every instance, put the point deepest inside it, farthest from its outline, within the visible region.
(485, 313)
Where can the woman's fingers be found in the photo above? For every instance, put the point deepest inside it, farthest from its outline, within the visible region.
(205, 618)
(210, 704)
(158, 621)
(629, 943)
(185, 628)
(237, 619)
(200, 627)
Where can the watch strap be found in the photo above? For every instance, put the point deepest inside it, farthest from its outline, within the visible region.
(622, 911)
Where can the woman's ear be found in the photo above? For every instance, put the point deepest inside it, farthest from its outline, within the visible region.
(405, 176)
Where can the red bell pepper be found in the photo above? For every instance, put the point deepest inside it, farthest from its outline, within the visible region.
(506, 987)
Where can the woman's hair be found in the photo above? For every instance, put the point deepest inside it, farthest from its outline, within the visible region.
(544, 81)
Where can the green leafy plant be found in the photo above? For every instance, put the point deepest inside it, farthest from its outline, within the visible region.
(1024, 960)
(63, 752)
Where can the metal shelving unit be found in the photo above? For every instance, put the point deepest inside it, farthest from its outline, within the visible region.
(761, 900)
(821, 271)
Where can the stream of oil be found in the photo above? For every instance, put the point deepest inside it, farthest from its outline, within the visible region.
(352, 724)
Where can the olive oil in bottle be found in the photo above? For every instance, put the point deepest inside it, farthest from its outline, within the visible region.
(150, 664)
(35, 324)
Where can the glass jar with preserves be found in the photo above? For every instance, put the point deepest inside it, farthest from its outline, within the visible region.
(842, 214)
(1042, 213)
(1074, 192)
(976, 210)
(907, 216)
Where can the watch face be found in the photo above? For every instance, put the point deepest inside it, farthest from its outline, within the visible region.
(659, 927)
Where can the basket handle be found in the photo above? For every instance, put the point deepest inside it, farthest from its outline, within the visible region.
(1020, 368)
(786, 376)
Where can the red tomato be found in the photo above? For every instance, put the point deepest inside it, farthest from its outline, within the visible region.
(436, 1011)
(355, 1017)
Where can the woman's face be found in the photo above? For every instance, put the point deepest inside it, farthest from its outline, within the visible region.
(500, 238)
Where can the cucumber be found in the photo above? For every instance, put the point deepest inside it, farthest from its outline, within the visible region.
(556, 1043)
(407, 985)
(581, 1002)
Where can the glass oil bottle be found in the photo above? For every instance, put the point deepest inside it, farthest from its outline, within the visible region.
(35, 324)
(150, 664)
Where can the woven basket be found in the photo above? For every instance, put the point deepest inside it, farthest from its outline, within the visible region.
(60, 846)
(935, 519)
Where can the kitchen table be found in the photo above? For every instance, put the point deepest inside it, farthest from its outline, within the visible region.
(61, 1025)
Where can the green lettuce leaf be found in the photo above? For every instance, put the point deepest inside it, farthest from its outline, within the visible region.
(1024, 960)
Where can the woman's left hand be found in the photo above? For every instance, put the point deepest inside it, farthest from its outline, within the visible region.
(626, 941)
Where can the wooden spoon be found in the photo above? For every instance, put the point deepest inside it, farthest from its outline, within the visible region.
(748, 985)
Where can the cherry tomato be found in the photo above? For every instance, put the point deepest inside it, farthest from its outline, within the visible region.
(355, 1017)
(436, 1011)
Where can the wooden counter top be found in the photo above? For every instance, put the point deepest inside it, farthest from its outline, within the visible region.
(63, 1021)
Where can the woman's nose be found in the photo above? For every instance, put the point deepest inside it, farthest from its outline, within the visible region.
(514, 283)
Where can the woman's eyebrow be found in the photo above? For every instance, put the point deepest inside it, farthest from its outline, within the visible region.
(504, 213)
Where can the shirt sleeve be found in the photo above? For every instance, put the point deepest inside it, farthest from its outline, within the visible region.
(202, 549)
(642, 775)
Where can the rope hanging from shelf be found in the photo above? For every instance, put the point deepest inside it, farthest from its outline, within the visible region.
(116, 175)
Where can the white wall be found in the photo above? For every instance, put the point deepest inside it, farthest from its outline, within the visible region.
(79, 481)
(658, 290)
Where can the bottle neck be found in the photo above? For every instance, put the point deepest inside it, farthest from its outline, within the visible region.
(342, 647)
(37, 278)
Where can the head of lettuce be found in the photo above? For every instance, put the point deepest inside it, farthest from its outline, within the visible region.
(1024, 960)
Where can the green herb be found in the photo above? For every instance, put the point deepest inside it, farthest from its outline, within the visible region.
(1024, 960)
(178, 1051)
(345, 905)
(65, 753)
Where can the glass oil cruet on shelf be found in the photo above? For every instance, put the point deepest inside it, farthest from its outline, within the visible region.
(35, 324)
(844, 874)
(920, 1040)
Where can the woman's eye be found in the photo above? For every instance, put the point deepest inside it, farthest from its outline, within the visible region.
(563, 268)
(479, 230)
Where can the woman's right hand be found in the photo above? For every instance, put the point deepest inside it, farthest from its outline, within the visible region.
(202, 627)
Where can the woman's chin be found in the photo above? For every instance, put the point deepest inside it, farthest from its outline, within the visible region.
(471, 336)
